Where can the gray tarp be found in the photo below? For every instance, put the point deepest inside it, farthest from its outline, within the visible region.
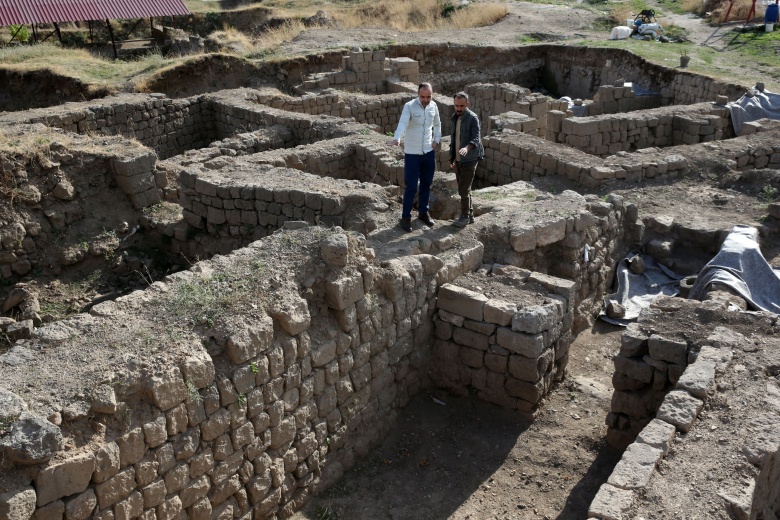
(636, 291)
(752, 108)
(740, 265)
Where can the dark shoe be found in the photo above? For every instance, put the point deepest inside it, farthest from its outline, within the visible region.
(471, 219)
(406, 224)
(427, 220)
(461, 221)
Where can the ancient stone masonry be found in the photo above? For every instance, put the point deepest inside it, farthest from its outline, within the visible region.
(278, 405)
(507, 349)
(487, 99)
(383, 111)
(661, 127)
(367, 71)
(705, 372)
(166, 125)
(240, 201)
(60, 192)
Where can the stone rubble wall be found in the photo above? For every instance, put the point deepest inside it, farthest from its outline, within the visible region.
(643, 373)
(487, 99)
(687, 373)
(383, 111)
(609, 134)
(234, 211)
(235, 112)
(704, 371)
(59, 190)
(613, 99)
(505, 351)
(366, 71)
(512, 156)
(168, 126)
(279, 406)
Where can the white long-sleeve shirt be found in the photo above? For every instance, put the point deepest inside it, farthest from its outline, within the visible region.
(419, 126)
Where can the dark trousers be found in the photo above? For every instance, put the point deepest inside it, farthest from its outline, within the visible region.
(418, 169)
(464, 173)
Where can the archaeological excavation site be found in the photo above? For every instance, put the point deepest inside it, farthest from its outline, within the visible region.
(211, 312)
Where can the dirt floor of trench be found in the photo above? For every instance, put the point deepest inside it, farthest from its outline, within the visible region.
(467, 459)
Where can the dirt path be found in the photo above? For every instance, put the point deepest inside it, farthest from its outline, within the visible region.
(471, 460)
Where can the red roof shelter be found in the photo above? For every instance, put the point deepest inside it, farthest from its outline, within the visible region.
(34, 12)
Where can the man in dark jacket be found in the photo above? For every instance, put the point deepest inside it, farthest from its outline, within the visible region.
(465, 152)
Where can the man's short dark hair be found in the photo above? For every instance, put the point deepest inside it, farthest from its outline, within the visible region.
(424, 85)
(461, 95)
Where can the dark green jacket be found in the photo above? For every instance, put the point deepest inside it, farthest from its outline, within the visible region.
(469, 133)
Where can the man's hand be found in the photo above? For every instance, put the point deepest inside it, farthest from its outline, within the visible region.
(463, 151)
(452, 165)
(435, 146)
(395, 142)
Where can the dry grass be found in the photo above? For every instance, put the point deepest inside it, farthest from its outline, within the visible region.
(80, 64)
(694, 6)
(418, 15)
(272, 38)
(738, 12)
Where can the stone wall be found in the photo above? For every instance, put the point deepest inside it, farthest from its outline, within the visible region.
(613, 99)
(168, 126)
(668, 126)
(382, 111)
(507, 349)
(512, 156)
(487, 99)
(366, 71)
(67, 200)
(237, 201)
(276, 406)
(702, 369)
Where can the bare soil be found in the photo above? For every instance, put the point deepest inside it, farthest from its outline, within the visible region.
(461, 458)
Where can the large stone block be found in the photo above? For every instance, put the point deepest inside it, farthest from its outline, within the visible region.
(343, 290)
(166, 389)
(528, 345)
(536, 318)
(673, 351)
(635, 468)
(18, 504)
(680, 409)
(248, 339)
(65, 478)
(611, 503)
(698, 379)
(499, 312)
(31, 440)
(116, 488)
(139, 162)
(658, 434)
(460, 301)
(198, 369)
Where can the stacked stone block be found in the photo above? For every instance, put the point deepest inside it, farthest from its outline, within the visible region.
(487, 99)
(612, 99)
(169, 126)
(507, 350)
(366, 71)
(382, 110)
(513, 121)
(280, 406)
(256, 200)
(707, 358)
(610, 134)
(647, 366)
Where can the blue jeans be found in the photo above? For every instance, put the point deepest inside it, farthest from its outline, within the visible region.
(418, 169)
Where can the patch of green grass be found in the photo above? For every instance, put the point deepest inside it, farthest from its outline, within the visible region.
(674, 6)
(523, 39)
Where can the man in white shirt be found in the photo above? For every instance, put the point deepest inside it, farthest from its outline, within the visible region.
(420, 128)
